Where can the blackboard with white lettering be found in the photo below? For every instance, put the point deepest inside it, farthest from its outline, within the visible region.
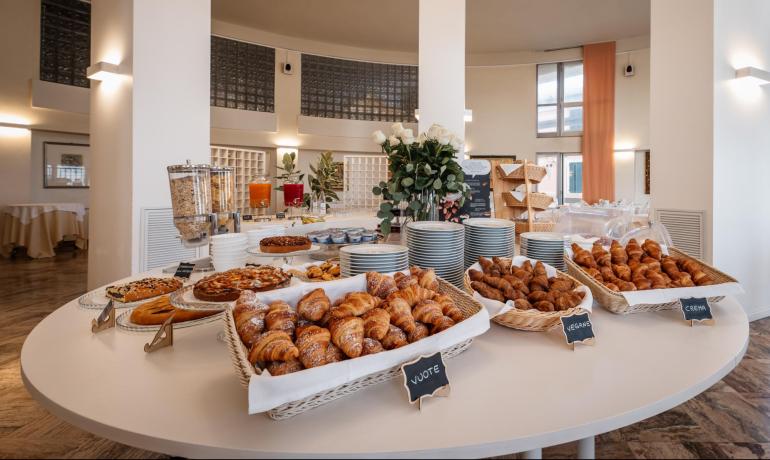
(424, 377)
(477, 176)
(578, 328)
(247, 217)
(184, 270)
(280, 215)
(696, 309)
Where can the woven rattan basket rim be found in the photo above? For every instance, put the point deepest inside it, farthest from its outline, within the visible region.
(536, 172)
(539, 201)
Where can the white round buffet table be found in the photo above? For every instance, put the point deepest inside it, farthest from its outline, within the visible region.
(511, 391)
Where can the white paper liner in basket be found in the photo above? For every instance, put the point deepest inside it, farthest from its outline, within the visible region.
(661, 296)
(267, 392)
(497, 308)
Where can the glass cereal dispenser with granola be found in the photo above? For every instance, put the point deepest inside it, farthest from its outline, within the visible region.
(191, 202)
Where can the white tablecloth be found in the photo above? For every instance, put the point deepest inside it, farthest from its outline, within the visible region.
(30, 211)
(40, 226)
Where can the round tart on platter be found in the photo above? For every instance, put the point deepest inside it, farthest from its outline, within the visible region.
(284, 244)
(227, 286)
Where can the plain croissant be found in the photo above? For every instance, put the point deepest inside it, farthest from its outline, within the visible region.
(355, 304)
(281, 318)
(273, 346)
(313, 305)
(348, 334)
(376, 323)
(312, 342)
(380, 285)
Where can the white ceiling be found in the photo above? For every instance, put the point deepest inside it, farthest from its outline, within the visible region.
(492, 25)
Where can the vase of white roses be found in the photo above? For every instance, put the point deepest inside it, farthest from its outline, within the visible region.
(423, 171)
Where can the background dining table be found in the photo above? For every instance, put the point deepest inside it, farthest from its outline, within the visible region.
(39, 227)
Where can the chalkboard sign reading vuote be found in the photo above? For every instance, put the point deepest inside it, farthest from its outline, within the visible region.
(184, 270)
(424, 377)
(697, 309)
(578, 329)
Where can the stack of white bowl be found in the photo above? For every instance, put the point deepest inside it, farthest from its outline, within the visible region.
(264, 231)
(488, 238)
(548, 247)
(438, 245)
(383, 258)
(229, 251)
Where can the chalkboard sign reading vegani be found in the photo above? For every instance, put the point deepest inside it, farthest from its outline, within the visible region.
(697, 309)
(424, 377)
(577, 328)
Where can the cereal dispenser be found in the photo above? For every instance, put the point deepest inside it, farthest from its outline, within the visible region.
(223, 199)
(191, 200)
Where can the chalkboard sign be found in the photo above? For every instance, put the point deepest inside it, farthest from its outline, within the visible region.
(424, 377)
(247, 217)
(697, 309)
(280, 215)
(184, 270)
(578, 329)
(477, 176)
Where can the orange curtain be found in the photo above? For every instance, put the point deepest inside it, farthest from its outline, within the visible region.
(599, 122)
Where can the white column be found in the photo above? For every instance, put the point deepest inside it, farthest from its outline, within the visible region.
(442, 65)
(155, 114)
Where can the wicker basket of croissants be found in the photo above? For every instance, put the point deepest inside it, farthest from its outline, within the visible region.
(539, 301)
(393, 312)
(639, 267)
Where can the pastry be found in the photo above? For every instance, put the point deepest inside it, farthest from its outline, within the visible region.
(249, 315)
(600, 255)
(395, 338)
(404, 281)
(277, 368)
(633, 250)
(376, 323)
(441, 325)
(380, 285)
(142, 289)
(348, 334)
(449, 308)
(618, 254)
(227, 286)
(355, 304)
(284, 244)
(487, 291)
(583, 257)
(280, 317)
(426, 278)
(327, 271)
(157, 311)
(371, 347)
(312, 342)
(314, 305)
(334, 354)
(420, 332)
(273, 346)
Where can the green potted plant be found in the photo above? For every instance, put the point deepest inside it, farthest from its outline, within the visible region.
(322, 181)
(291, 181)
(423, 171)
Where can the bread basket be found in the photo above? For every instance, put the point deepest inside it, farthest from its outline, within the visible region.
(529, 320)
(616, 303)
(245, 371)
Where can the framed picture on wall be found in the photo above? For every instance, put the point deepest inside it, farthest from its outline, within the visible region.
(65, 165)
(339, 176)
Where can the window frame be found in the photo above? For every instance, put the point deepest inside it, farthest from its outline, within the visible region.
(559, 198)
(560, 104)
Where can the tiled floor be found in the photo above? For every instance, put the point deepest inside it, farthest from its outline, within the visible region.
(732, 419)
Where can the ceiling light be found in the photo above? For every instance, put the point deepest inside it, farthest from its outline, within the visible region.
(102, 70)
(754, 75)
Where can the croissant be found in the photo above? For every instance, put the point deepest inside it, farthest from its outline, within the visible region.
(539, 269)
(281, 318)
(376, 323)
(425, 278)
(334, 354)
(656, 279)
(277, 368)
(442, 324)
(517, 283)
(633, 250)
(489, 267)
(699, 277)
(487, 291)
(568, 300)
(544, 306)
(302, 324)
(400, 313)
(653, 249)
(524, 275)
(538, 296)
(622, 271)
(312, 342)
(612, 287)
(582, 257)
(394, 339)
(371, 347)
(669, 265)
(404, 281)
(522, 304)
(428, 312)
(561, 284)
(313, 305)
(249, 318)
(527, 266)
(539, 282)
(639, 270)
(355, 304)
(380, 285)
(504, 264)
(596, 274)
(601, 256)
(348, 334)
(419, 333)
(449, 308)
(475, 275)
(654, 264)
(273, 346)
(642, 283)
(412, 295)
(501, 284)
(625, 285)
(618, 253)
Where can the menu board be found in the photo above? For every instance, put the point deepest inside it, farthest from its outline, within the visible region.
(477, 176)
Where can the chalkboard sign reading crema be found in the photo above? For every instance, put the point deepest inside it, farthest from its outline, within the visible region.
(697, 309)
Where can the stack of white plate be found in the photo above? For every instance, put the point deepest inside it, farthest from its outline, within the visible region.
(265, 230)
(383, 258)
(229, 251)
(488, 238)
(438, 245)
(545, 246)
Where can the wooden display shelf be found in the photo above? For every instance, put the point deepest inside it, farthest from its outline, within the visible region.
(517, 177)
(537, 201)
(508, 207)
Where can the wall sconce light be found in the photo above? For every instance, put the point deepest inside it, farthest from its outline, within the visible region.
(102, 70)
(467, 116)
(13, 130)
(754, 75)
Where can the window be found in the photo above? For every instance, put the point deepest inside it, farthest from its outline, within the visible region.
(340, 88)
(242, 75)
(564, 180)
(65, 41)
(560, 99)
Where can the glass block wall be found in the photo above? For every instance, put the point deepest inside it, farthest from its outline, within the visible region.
(355, 90)
(242, 75)
(65, 41)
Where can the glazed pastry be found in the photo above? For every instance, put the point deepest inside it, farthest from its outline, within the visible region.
(428, 312)
(442, 324)
(404, 281)
(277, 368)
(522, 304)
(448, 307)
(633, 250)
(653, 249)
(355, 304)
(489, 267)
(518, 283)
(273, 346)
(371, 347)
(249, 315)
(312, 342)
(545, 306)
(622, 271)
(419, 333)
(313, 305)
(425, 278)
(334, 354)
(654, 264)
(395, 338)
(618, 254)
(583, 257)
(504, 264)
(376, 323)
(561, 284)
(539, 283)
(568, 300)
(281, 317)
(348, 334)
(538, 296)
(400, 313)
(487, 291)
(380, 285)
(601, 256)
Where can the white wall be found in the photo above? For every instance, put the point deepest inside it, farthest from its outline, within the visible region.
(681, 107)
(742, 150)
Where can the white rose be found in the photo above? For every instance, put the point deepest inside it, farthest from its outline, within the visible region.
(408, 140)
(396, 128)
(422, 138)
(455, 142)
(434, 132)
(406, 133)
(445, 132)
(393, 140)
(379, 137)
